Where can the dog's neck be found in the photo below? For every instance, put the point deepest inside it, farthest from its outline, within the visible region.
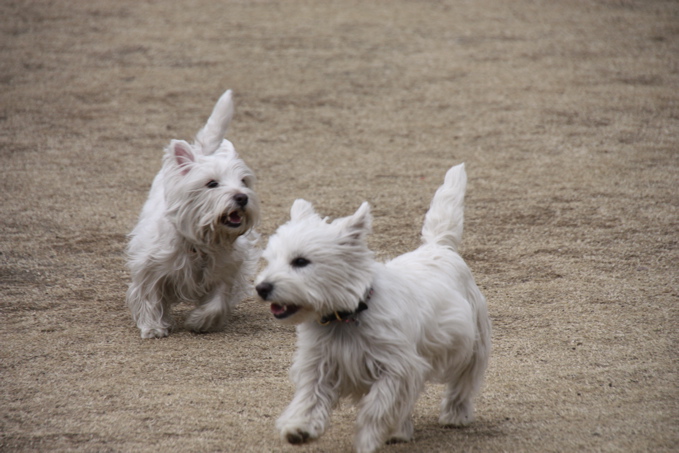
(347, 316)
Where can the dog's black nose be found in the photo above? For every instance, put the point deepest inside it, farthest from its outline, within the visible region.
(241, 199)
(264, 289)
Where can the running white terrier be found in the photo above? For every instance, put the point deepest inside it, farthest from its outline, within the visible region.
(376, 332)
(194, 241)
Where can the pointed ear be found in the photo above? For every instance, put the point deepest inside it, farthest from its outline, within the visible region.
(301, 209)
(358, 225)
(183, 155)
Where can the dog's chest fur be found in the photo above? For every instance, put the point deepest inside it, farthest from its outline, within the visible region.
(197, 273)
(342, 350)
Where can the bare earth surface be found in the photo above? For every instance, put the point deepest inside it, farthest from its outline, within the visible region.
(565, 112)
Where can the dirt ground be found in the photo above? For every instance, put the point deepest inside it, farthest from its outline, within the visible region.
(565, 112)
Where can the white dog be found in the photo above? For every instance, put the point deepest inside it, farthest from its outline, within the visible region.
(194, 241)
(376, 332)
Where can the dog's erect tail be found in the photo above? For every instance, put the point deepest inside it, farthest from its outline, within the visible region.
(444, 221)
(211, 135)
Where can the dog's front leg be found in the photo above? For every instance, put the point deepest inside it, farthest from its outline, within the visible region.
(149, 311)
(385, 411)
(306, 417)
(211, 315)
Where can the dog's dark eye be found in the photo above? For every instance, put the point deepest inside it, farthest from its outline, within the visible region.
(244, 182)
(212, 184)
(300, 262)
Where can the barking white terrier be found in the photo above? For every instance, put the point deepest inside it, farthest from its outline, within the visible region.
(376, 332)
(194, 241)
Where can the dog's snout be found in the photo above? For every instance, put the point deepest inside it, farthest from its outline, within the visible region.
(241, 199)
(264, 289)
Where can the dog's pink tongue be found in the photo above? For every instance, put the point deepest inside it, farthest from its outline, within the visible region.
(235, 218)
(277, 309)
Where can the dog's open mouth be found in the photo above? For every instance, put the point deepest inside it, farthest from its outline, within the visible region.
(233, 219)
(283, 311)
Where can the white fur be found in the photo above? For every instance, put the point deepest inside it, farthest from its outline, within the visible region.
(426, 320)
(186, 247)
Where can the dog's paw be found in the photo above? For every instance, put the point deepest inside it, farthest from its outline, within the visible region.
(209, 317)
(457, 416)
(297, 437)
(297, 434)
(404, 434)
(397, 440)
(158, 332)
(202, 321)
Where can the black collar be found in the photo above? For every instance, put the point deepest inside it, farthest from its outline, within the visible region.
(347, 316)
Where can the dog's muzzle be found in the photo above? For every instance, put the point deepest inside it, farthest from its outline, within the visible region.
(234, 218)
(279, 311)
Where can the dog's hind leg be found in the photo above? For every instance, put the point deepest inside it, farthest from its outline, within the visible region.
(457, 408)
(464, 382)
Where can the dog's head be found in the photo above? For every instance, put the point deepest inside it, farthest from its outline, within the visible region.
(316, 267)
(209, 190)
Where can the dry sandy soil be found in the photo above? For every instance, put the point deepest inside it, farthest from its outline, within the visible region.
(565, 112)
